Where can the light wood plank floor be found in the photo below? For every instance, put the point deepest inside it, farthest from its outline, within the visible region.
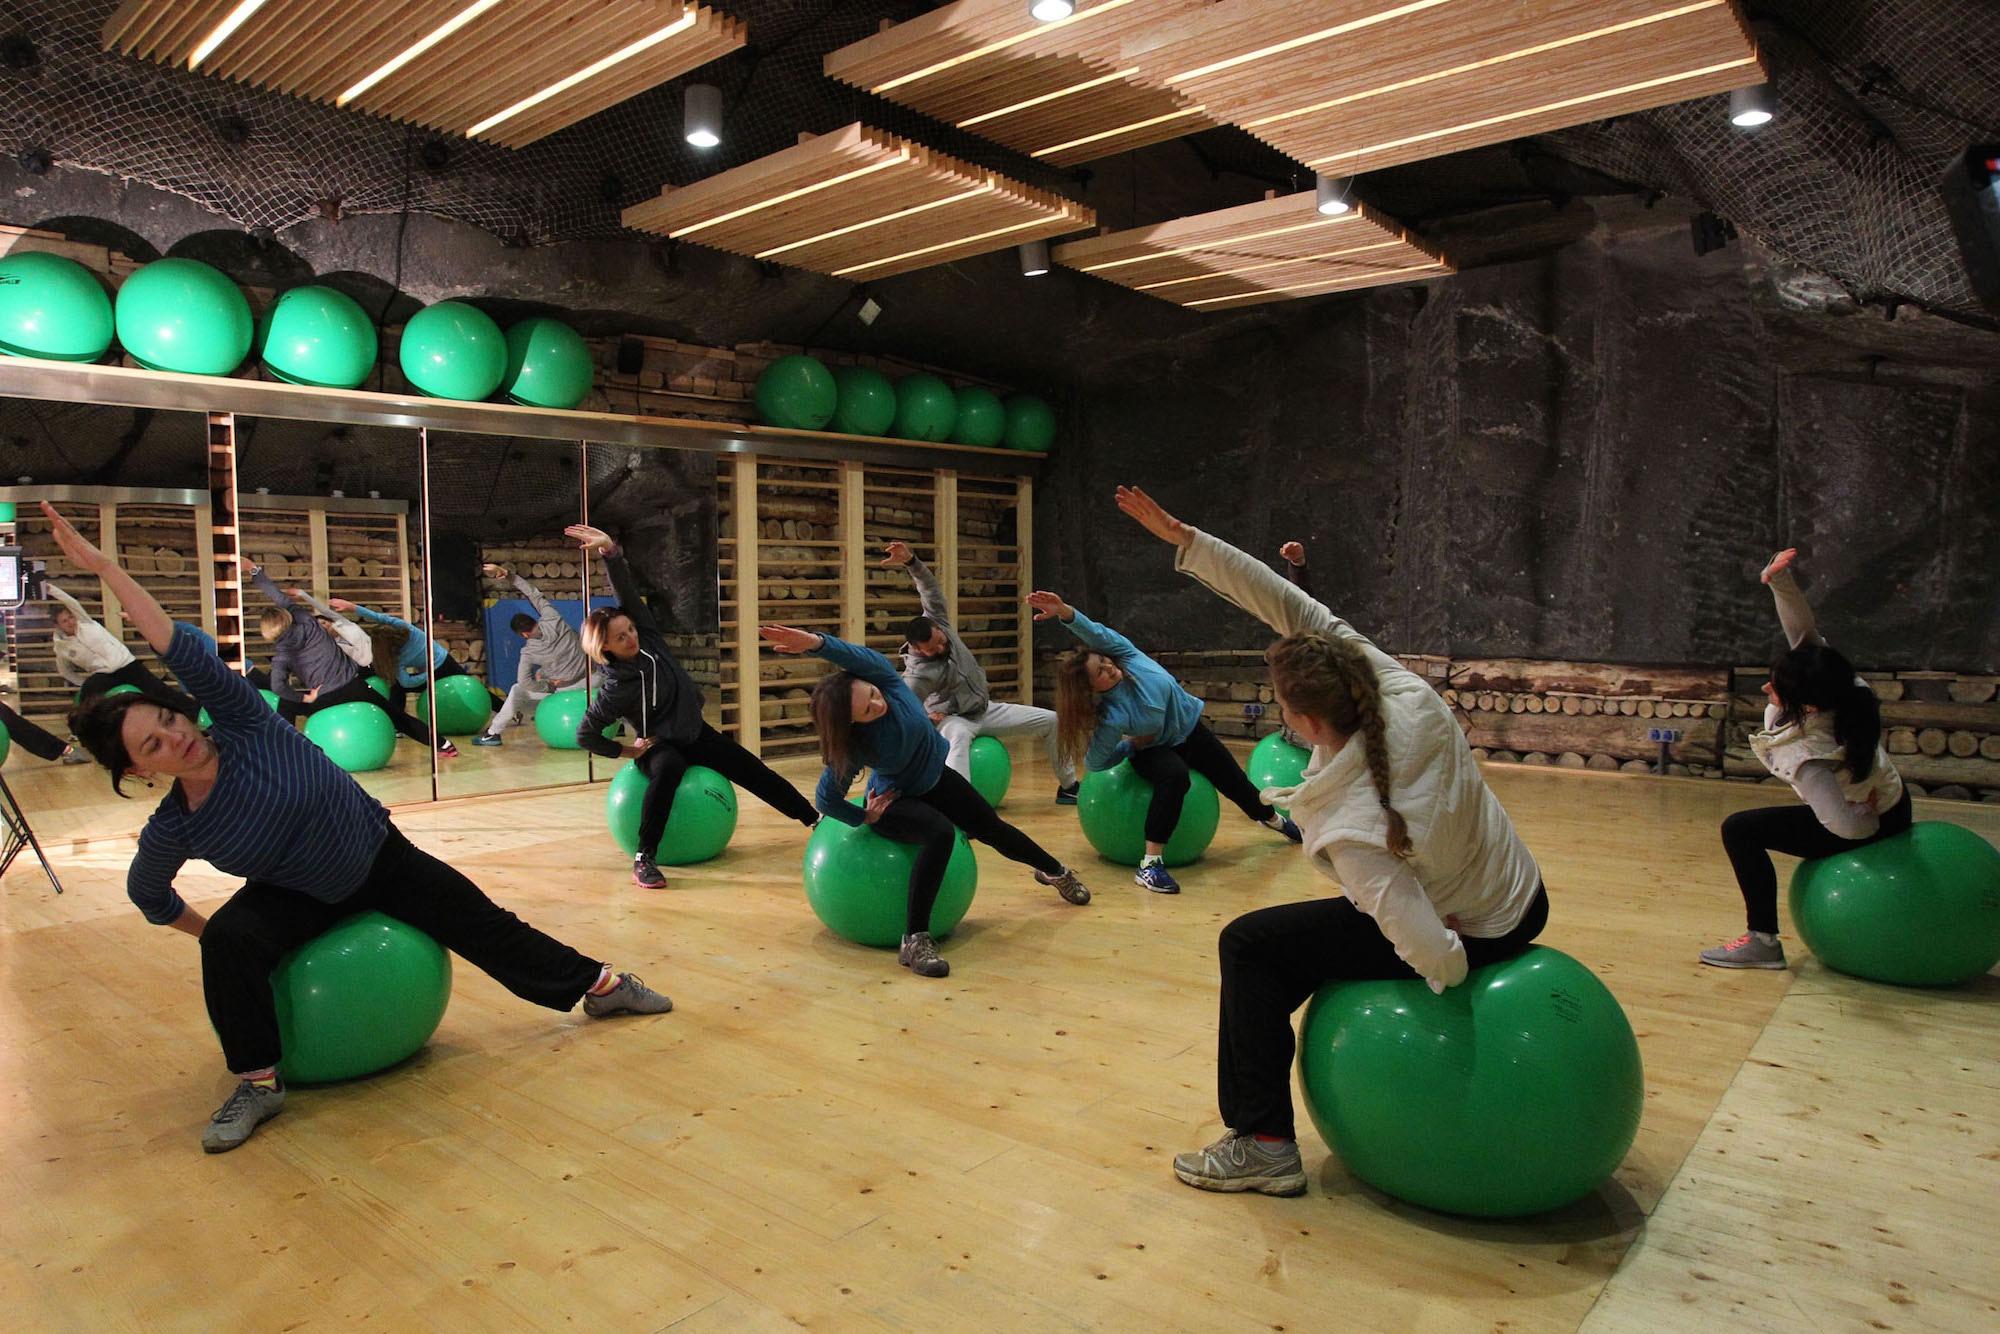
(816, 1137)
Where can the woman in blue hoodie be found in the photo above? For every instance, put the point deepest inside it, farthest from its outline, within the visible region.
(866, 716)
(406, 658)
(1114, 703)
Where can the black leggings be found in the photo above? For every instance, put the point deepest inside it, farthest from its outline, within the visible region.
(263, 922)
(1166, 768)
(1272, 962)
(35, 740)
(931, 821)
(355, 691)
(665, 762)
(1751, 836)
(399, 702)
(135, 674)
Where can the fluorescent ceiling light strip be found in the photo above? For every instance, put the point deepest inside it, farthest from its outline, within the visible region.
(1487, 63)
(686, 20)
(876, 222)
(1355, 154)
(1317, 221)
(1328, 284)
(1122, 129)
(1033, 30)
(942, 245)
(1339, 29)
(423, 44)
(1098, 82)
(789, 195)
(230, 23)
(1270, 264)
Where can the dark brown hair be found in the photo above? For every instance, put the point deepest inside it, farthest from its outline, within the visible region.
(1329, 678)
(388, 641)
(99, 724)
(833, 718)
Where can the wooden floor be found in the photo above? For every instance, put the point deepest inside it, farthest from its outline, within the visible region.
(816, 1137)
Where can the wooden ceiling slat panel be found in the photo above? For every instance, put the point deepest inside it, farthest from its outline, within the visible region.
(896, 206)
(499, 58)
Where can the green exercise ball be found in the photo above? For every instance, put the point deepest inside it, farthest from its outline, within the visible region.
(558, 717)
(463, 705)
(981, 420)
(452, 350)
(1111, 807)
(926, 409)
(378, 685)
(364, 995)
(182, 315)
(121, 689)
(6, 744)
(317, 336)
(858, 884)
(1515, 1092)
(699, 826)
(270, 698)
(992, 769)
(1276, 762)
(1919, 909)
(358, 737)
(1031, 424)
(548, 364)
(865, 401)
(797, 392)
(53, 308)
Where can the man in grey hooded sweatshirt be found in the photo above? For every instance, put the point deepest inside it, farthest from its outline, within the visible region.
(551, 657)
(942, 672)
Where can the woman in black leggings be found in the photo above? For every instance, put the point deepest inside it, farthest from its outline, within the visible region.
(867, 716)
(37, 741)
(1823, 735)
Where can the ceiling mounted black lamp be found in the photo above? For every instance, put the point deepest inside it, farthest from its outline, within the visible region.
(701, 115)
(1753, 106)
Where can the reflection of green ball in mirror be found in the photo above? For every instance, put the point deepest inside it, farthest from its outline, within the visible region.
(866, 402)
(1031, 424)
(926, 409)
(1111, 807)
(364, 995)
(797, 392)
(699, 826)
(317, 336)
(356, 736)
(453, 350)
(463, 705)
(558, 717)
(6, 744)
(981, 419)
(858, 884)
(548, 364)
(378, 685)
(182, 315)
(52, 307)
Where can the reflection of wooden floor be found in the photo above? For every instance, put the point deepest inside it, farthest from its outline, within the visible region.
(816, 1136)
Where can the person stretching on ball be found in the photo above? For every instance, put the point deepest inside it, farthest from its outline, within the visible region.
(1823, 735)
(1114, 703)
(552, 658)
(1393, 808)
(866, 716)
(646, 688)
(253, 797)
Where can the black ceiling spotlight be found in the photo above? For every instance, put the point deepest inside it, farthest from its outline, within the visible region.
(701, 115)
(36, 161)
(1034, 258)
(435, 154)
(17, 51)
(1754, 106)
(1334, 194)
(1711, 232)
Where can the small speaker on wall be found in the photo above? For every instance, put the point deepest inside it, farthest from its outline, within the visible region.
(631, 356)
(1972, 197)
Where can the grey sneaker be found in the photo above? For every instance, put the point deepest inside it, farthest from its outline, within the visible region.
(75, 754)
(237, 1119)
(1746, 951)
(630, 996)
(1241, 1162)
(919, 955)
(1067, 885)
(646, 875)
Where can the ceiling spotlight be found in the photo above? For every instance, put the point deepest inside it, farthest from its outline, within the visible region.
(1336, 194)
(701, 115)
(1753, 106)
(1034, 258)
(1048, 11)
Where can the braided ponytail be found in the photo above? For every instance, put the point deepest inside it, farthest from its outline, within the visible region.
(1330, 679)
(1375, 747)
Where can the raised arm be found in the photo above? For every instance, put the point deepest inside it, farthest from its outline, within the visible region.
(545, 610)
(139, 605)
(82, 617)
(864, 662)
(1794, 612)
(598, 542)
(272, 593)
(930, 593)
(1294, 556)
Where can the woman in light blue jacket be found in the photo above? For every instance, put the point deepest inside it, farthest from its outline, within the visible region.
(405, 657)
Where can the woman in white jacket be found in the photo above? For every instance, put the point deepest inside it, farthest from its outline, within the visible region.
(91, 658)
(1393, 807)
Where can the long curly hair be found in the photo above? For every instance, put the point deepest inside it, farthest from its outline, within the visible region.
(1076, 705)
(1329, 678)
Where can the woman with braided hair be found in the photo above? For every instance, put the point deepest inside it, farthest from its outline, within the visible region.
(1393, 807)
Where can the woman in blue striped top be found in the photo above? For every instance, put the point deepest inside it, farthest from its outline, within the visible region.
(867, 717)
(253, 797)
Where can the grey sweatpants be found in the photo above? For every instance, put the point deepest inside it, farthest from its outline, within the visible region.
(1003, 720)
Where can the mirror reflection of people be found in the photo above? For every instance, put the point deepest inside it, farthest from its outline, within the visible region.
(253, 797)
(552, 657)
(406, 658)
(92, 659)
(38, 741)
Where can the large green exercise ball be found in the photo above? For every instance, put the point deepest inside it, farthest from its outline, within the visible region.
(992, 769)
(865, 401)
(548, 364)
(926, 409)
(6, 744)
(358, 737)
(1111, 806)
(378, 685)
(182, 315)
(366, 994)
(798, 393)
(858, 884)
(1031, 424)
(317, 336)
(270, 698)
(53, 308)
(1515, 1092)
(1919, 909)
(558, 717)
(699, 826)
(981, 419)
(1276, 762)
(463, 705)
(452, 350)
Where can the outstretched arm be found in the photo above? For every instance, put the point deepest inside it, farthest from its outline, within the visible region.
(139, 605)
(595, 541)
(930, 593)
(1294, 556)
(864, 662)
(82, 617)
(269, 588)
(1232, 574)
(1794, 612)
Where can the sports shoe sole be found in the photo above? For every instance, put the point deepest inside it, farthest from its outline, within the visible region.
(1283, 1187)
(1771, 965)
(1141, 882)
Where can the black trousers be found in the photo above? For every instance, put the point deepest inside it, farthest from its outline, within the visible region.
(356, 691)
(1750, 837)
(1272, 962)
(36, 740)
(399, 701)
(930, 821)
(135, 674)
(263, 922)
(666, 762)
(1166, 768)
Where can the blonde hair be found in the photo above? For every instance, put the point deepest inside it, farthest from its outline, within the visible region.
(1330, 679)
(1076, 705)
(596, 625)
(273, 622)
